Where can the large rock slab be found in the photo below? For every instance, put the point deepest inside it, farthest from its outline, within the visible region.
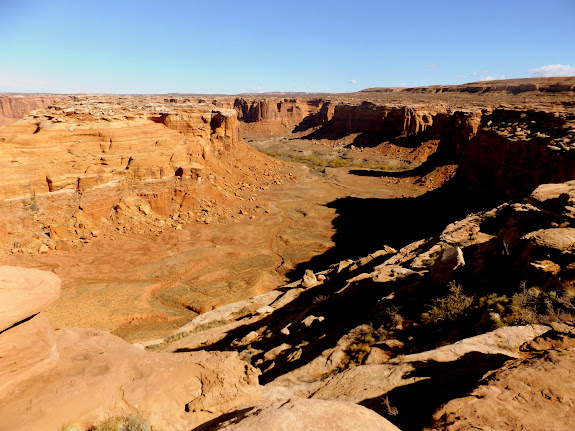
(536, 393)
(305, 415)
(24, 292)
(27, 350)
(98, 375)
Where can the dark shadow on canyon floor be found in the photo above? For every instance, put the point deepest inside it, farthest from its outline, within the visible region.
(366, 225)
(419, 171)
(411, 407)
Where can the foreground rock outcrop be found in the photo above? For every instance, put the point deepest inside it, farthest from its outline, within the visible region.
(50, 377)
(420, 326)
(532, 394)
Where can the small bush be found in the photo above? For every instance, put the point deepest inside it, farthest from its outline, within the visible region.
(389, 409)
(122, 423)
(451, 307)
(532, 305)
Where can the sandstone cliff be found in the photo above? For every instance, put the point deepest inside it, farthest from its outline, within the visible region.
(81, 168)
(14, 107)
(264, 115)
(513, 86)
(503, 152)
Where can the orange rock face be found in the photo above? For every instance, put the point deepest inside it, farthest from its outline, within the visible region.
(14, 107)
(88, 165)
(25, 293)
(50, 377)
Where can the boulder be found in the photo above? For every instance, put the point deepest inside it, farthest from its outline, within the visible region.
(24, 292)
(447, 263)
(309, 279)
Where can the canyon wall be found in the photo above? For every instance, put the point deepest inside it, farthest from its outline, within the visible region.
(261, 115)
(14, 107)
(90, 166)
(503, 152)
(511, 86)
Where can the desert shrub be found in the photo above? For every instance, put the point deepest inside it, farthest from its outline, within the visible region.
(322, 162)
(533, 305)
(450, 307)
(320, 298)
(122, 423)
(394, 316)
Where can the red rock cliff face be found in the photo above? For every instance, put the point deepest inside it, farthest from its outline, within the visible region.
(390, 122)
(264, 116)
(502, 153)
(514, 151)
(13, 108)
(273, 115)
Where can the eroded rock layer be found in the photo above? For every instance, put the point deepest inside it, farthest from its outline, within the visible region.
(14, 107)
(84, 168)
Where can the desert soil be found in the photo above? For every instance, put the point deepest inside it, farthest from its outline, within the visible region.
(141, 287)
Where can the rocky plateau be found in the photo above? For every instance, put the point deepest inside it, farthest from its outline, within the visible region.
(389, 259)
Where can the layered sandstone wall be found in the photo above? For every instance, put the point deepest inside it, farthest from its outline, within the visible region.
(84, 146)
(390, 121)
(511, 86)
(90, 166)
(14, 107)
(262, 115)
(503, 152)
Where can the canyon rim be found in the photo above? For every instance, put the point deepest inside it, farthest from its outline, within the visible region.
(391, 258)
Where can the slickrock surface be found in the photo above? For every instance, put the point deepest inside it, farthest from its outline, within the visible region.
(52, 377)
(382, 332)
(302, 415)
(24, 293)
(530, 394)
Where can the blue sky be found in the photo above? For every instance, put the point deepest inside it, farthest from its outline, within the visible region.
(236, 46)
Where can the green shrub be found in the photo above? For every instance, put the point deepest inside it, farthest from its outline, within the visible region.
(533, 305)
(451, 307)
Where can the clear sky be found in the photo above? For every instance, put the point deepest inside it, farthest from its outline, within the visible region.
(236, 46)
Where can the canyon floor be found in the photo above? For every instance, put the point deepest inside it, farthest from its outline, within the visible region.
(157, 284)
(403, 257)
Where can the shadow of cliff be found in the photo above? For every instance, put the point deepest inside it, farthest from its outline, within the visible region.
(419, 171)
(225, 420)
(363, 139)
(365, 225)
(411, 407)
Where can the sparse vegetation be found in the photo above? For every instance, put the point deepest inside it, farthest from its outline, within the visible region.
(320, 298)
(450, 307)
(323, 162)
(122, 423)
(533, 305)
(389, 409)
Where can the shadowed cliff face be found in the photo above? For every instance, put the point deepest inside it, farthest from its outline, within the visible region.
(503, 153)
